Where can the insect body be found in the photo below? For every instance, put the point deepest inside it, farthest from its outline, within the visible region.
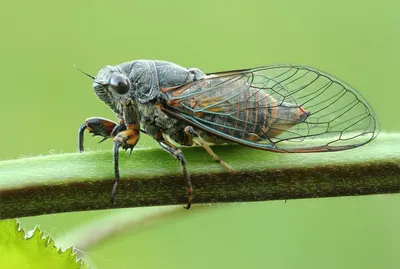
(280, 108)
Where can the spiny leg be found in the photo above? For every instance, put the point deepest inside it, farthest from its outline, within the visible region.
(177, 154)
(197, 138)
(127, 139)
(99, 127)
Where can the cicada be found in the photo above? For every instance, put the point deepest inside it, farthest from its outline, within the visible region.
(279, 108)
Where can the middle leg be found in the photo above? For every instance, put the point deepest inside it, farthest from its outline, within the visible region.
(177, 154)
(126, 139)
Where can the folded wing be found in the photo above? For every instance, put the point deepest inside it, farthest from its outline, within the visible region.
(281, 108)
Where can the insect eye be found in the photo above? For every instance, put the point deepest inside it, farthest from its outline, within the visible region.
(119, 83)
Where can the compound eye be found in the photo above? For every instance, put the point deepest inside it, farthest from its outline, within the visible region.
(119, 83)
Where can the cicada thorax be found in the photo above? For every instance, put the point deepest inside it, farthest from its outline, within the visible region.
(238, 109)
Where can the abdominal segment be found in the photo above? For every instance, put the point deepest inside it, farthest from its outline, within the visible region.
(252, 115)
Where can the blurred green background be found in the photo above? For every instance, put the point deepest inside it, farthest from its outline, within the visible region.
(44, 100)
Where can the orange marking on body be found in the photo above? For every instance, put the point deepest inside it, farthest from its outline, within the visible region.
(131, 136)
(173, 103)
(188, 137)
(132, 126)
(267, 125)
(237, 117)
(272, 132)
(179, 90)
(158, 135)
(256, 116)
(204, 102)
(165, 90)
(247, 114)
(301, 112)
(265, 113)
(274, 111)
(172, 146)
(132, 140)
(192, 102)
(109, 125)
(215, 109)
(211, 99)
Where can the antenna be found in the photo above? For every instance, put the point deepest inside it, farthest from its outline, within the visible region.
(92, 77)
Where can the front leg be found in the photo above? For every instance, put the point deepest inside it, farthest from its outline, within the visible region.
(99, 127)
(177, 154)
(126, 139)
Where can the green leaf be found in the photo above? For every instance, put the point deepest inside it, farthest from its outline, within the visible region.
(32, 250)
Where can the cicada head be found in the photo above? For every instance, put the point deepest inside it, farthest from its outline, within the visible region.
(287, 115)
(111, 85)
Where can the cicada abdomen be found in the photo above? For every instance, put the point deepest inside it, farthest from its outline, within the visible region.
(280, 108)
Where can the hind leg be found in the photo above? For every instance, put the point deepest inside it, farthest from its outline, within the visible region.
(197, 138)
(177, 154)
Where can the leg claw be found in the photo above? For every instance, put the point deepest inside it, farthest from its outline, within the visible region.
(102, 140)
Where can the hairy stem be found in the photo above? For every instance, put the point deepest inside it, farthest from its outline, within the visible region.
(76, 182)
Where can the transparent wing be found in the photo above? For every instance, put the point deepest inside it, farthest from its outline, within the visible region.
(280, 108)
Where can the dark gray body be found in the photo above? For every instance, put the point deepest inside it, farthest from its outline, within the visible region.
(252, 107)
(147, 78)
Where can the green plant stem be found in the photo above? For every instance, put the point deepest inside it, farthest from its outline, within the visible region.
(76, 182)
